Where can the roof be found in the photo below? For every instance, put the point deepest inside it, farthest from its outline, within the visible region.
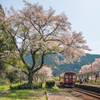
(70, 73)
(61, 75)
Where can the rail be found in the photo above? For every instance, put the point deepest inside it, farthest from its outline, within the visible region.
(83, 91)
(87, 92)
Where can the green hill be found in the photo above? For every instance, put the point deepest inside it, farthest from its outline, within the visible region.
(76, 66)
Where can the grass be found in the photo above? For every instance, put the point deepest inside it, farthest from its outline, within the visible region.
(3, 88)
(25, 95)
(34, 94)
(96, 83)
(90, 82)
(54, 89)
(7, 94)
(93, 83)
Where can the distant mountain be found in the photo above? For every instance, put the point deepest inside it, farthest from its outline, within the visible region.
(76, 66)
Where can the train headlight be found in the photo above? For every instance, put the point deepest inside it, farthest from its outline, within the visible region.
(73, 80)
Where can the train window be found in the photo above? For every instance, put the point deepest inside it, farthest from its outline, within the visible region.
(74, 76)
(66, 76)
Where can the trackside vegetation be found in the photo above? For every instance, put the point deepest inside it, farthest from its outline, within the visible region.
(15, 93)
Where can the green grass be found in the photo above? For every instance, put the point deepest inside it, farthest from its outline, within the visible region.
(3, 88)
(34, 94)
(7, 94)
(25, 95)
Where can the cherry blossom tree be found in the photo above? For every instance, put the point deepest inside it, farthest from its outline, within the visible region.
(96, 68)
(87, 70)
(41, 32)
(96, 64)
(44, 72)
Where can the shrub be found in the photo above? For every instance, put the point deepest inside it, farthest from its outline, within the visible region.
(4, 82)
(27, 86)
(50, 83)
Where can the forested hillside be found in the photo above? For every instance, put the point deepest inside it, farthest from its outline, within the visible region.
(89, 58)
(76, 66)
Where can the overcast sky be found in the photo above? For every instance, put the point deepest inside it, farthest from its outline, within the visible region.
(84, 15)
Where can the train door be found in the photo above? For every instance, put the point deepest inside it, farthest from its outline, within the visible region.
(70, 78)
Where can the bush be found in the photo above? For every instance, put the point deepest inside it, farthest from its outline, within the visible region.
(50, 83)
(4, 82)
(27, 86)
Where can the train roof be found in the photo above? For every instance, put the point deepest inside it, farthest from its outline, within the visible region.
(70, 73)
(67, 73)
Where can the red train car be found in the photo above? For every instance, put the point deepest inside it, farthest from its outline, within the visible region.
(68, 79)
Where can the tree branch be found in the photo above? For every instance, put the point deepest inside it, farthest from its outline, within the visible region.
(51, 32)
(42, 62)
(33, 57)
(21, 54)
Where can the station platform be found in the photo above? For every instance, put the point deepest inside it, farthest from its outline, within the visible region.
(88, 85)
(93, 88)
(57, 96)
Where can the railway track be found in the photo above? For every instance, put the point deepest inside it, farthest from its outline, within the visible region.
(87, 92)
(82, 91)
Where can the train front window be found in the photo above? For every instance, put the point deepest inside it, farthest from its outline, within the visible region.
(66, 76)
(74, 76)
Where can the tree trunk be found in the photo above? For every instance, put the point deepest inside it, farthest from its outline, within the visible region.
(30, 77)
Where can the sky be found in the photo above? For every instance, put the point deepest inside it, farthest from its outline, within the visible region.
(84, 15)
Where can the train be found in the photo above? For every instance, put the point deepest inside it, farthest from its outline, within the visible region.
(68, 79)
